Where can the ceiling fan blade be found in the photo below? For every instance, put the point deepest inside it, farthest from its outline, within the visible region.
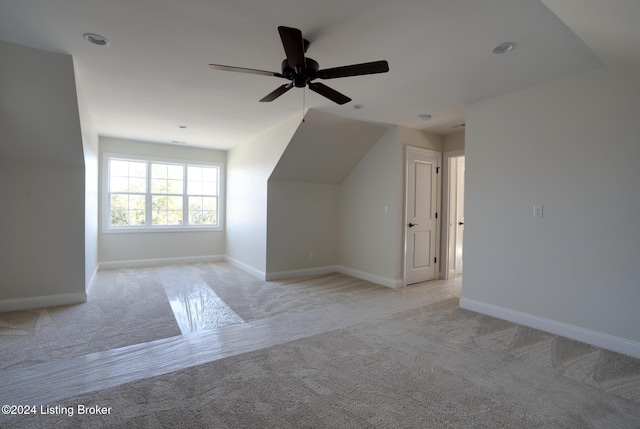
(277, 93)
(330, 93)
(243, 70)
(293, 47)
(354, 70)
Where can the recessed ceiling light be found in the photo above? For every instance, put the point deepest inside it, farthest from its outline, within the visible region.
(358, 106)
(96, 39)
(503, 48)
(425, 117)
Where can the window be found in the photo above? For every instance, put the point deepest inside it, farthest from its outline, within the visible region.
(151, 195)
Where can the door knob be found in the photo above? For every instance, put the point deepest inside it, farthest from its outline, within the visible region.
(411, 225)
(460, 223)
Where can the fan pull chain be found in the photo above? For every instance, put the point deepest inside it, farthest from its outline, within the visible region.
(304, 93)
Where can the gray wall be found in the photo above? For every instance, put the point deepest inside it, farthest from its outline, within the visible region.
(573, 146)
(453, 142)
(91, 171)
(42, 181)
(249, 166)
(353, 224)
(368, 235)
(303, 192)
(302, 218)
(371, 241)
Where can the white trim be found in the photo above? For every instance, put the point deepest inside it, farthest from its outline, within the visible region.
(308, 272)
(305, 272)
(159, 228)
(384, 281)
(106, 228)
(159, 261)
(260, 275)
(42, 301)
(595, 338)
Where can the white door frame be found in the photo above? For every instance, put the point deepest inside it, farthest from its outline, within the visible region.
(448, 217)
(428, 152)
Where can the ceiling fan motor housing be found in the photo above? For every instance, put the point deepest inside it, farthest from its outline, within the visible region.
(304, 76)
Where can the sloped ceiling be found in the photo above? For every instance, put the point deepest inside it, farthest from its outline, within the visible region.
(610, 28)
(325, 148)
(154, 76)
(39, 119)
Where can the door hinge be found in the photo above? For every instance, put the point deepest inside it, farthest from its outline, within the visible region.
(435, 260)
(436, 215)
(437, 170)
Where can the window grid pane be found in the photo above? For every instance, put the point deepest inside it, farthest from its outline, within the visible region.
(202, 210)
(202, 180)
(167, 179)
(127, 209)
(166, 194)
(128, 185)
(167, 210)
(127, 176)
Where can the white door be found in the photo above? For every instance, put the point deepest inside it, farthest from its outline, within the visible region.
(459, 215)
(421, 224)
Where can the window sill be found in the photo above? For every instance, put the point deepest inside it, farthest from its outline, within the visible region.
(160, 229)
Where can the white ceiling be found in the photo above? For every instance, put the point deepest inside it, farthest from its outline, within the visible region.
(154, 75)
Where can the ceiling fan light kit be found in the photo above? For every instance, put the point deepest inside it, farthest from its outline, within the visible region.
(301, 71)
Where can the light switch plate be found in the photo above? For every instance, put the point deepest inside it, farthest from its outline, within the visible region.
(537, 211)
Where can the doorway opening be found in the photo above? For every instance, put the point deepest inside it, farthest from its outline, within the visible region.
(453, 225)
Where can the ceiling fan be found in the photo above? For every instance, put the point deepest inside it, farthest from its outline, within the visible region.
(302, 71)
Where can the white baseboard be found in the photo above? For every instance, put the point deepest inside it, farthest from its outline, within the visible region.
(595, 338)
(260, 275)
(42, 301)
(384, 281)
(306, 272)
(159, 262)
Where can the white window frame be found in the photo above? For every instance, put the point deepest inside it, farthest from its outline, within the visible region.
(148, 227)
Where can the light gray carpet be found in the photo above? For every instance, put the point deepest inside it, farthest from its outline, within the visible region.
(130, 306)
(252, 299)
(124, 307)
(435, 366)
